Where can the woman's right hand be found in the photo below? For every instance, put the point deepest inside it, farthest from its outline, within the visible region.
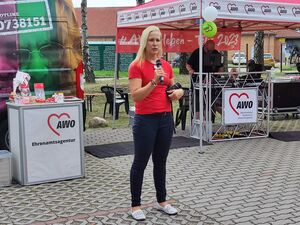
(158, 73)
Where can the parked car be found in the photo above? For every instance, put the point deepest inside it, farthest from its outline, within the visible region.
(239, 57)
(269, 61)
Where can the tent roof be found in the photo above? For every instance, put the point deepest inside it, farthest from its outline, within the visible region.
(249, 15)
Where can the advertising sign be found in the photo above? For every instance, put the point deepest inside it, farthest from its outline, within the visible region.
(41, 38)
(239, 105)
(13, 22)
(52, 143)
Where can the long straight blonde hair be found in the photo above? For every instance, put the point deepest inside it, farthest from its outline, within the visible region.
(141, 54)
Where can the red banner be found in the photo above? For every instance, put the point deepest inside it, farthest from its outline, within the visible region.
(227, 39)
(128, 40)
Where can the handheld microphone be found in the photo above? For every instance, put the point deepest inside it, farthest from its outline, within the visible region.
(158, 65)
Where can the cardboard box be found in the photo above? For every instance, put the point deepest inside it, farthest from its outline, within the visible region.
(5, 168)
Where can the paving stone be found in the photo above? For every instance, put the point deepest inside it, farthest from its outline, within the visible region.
(242, 220)
(264, 215)
(231, 183)
(280, 222)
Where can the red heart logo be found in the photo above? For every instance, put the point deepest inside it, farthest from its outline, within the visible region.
(58, 117)
(239, 96)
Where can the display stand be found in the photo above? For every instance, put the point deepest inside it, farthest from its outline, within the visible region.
(46, 141)
(242, 99)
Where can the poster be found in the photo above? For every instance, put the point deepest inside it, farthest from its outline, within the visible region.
(239, 105)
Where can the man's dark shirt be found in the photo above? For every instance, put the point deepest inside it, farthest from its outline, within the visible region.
(193, 61)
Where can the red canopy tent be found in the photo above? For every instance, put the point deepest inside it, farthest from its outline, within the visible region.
(185, 17)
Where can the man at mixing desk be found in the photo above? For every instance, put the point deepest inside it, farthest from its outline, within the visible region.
(212, 63)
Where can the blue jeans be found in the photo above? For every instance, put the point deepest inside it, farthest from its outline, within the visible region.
(152, 134)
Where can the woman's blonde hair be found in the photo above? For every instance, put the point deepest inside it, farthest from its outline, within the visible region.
(141, 54)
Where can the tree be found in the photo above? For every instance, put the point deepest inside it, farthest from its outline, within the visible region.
(89, 73)
(259, 47)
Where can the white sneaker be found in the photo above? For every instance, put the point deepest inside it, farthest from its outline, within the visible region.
(168, 209)
(138, 215)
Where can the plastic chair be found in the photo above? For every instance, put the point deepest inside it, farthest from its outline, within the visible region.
(182, 110)
(109, 94)
(124, 95)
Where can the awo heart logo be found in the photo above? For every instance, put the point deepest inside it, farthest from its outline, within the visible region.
(296, 11)
(162, 12)
(281, 10)
(265, 9)
(193, 7)
(171, 10)
(232, 8)
(136, 16)
(216, 5)
(234, 109)
(249, 8)
(182, 9)
(55, 119)
(153, 13)
(145, 15)
(129, 17)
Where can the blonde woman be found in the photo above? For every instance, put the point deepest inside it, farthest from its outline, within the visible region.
(153, 123)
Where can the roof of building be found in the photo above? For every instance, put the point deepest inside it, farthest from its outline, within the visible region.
(101, 21)
(287, 34)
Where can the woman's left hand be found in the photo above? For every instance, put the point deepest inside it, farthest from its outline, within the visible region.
(175, 94)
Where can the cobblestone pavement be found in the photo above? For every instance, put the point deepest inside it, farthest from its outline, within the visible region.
(238, 182)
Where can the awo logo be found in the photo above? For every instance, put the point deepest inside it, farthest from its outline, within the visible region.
(216, 5)
(265, 9)
(162, 12)
(136, 16)
(171, 10)
(242, 103)
(153, 13)
(296, 11)
(281, 10)
(249, 9)
(129, 17)
(56, 122)
(232, 8)
(182, 9)
(193, 7)
(145, 15)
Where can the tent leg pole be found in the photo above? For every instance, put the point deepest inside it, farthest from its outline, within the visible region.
(115, 88)
(200, 86)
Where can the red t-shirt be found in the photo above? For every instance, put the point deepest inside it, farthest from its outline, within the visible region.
(157, 101)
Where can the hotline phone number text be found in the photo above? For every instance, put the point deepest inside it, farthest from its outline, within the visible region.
(22, 23)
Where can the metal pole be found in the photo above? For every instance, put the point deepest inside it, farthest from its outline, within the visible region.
(239, 65)
(115, 88)
(201, 84)
(280, 57)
